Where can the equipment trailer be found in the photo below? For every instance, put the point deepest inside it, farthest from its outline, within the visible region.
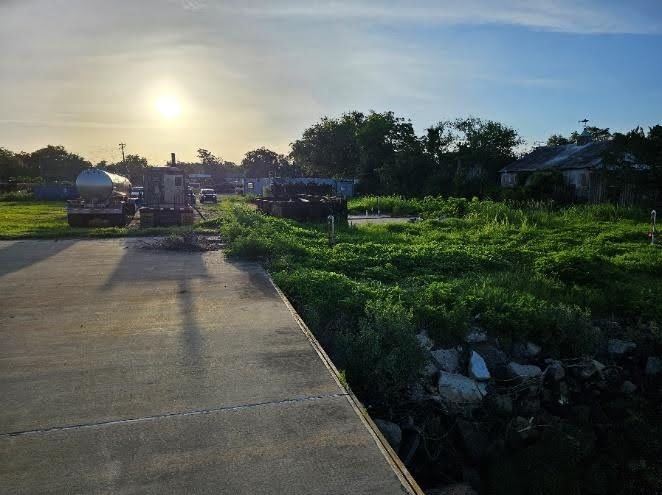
(166, 199)
(104, 198)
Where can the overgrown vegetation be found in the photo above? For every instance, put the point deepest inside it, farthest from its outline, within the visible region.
(527, 272)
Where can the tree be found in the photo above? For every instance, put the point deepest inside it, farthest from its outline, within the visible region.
(207, 158)
(12, 165)
(391, 156)
(133, 168)
(215, 166)
(599, 134)
(439, 142)
(55, 163)
(636, 158)
(596, 133)
(557, 140)
(264, 162)
(379, 149)
(482, 148)
(330, 148)
(383, 151)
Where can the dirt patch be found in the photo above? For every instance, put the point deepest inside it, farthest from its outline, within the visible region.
(188, 241)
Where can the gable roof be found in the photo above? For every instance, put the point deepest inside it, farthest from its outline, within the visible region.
(565, 156)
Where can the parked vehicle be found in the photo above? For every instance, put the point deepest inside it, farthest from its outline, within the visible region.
(138, 196)
(104, 197)
(166, 197)
(208, 196)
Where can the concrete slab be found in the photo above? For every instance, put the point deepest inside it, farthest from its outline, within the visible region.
(125, 370)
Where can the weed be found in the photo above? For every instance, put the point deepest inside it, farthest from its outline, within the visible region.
(525, 270)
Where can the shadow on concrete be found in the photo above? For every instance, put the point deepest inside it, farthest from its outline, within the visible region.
(18, 255)
(146, 265)
(260, 282)
(191, 337)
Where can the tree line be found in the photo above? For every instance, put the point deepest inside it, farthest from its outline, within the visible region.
(55, 163)
(460, 157)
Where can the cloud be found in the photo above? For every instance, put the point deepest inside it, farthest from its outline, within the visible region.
(253, 73)
(577, 16)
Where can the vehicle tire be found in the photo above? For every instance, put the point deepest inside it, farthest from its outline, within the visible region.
(117, 220)
(77, 220)
(130, 209)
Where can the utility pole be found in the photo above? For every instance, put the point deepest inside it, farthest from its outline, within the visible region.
(122, 146)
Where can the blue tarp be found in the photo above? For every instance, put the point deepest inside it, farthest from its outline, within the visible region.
(55, 192)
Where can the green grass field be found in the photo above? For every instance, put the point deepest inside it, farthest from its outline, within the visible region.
(48, 220)
(522, 273)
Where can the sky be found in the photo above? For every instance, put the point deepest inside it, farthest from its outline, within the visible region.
(230, 76)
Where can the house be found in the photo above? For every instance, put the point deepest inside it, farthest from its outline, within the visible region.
(580, 164)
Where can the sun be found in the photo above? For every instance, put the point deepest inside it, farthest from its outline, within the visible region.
(168, 107)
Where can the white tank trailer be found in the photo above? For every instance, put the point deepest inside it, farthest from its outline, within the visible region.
(104, 200)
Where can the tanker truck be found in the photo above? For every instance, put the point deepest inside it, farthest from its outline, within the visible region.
(104, 199)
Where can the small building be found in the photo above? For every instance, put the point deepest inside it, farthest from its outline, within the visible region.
(581, 165)
(258, 186)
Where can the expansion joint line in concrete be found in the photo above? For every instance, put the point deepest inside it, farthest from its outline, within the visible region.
(195, 412)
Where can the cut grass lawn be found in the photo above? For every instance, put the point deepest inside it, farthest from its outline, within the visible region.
(48, 220)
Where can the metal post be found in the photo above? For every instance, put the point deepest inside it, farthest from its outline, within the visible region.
(332, 229)
(653, 226)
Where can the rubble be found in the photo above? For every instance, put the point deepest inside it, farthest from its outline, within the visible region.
(424, 341)
(476, 335)
(654, 365)
(477, 367)
(495, 359)
(628, 388)
(447, 359)
(188, 241)
(524, 370)
(491, 403)
(555, 371)
(619, 347)
(525, 350)
(590, 368)
(391, 432)
(459, 389)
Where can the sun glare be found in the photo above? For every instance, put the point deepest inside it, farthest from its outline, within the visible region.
(168, 107)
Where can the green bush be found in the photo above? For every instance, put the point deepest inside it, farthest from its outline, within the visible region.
(251, 247)
(574, 266)
(381, 356)
(443, 312)
(17, 196)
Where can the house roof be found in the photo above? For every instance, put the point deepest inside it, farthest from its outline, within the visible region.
(561, 157)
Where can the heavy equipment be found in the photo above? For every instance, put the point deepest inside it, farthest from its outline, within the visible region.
(104, 200)
(166, 197)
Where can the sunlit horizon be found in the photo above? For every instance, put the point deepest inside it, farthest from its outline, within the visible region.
(168, 106)
(175, 76)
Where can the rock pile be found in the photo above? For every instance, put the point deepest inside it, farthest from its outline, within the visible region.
(477, 408)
